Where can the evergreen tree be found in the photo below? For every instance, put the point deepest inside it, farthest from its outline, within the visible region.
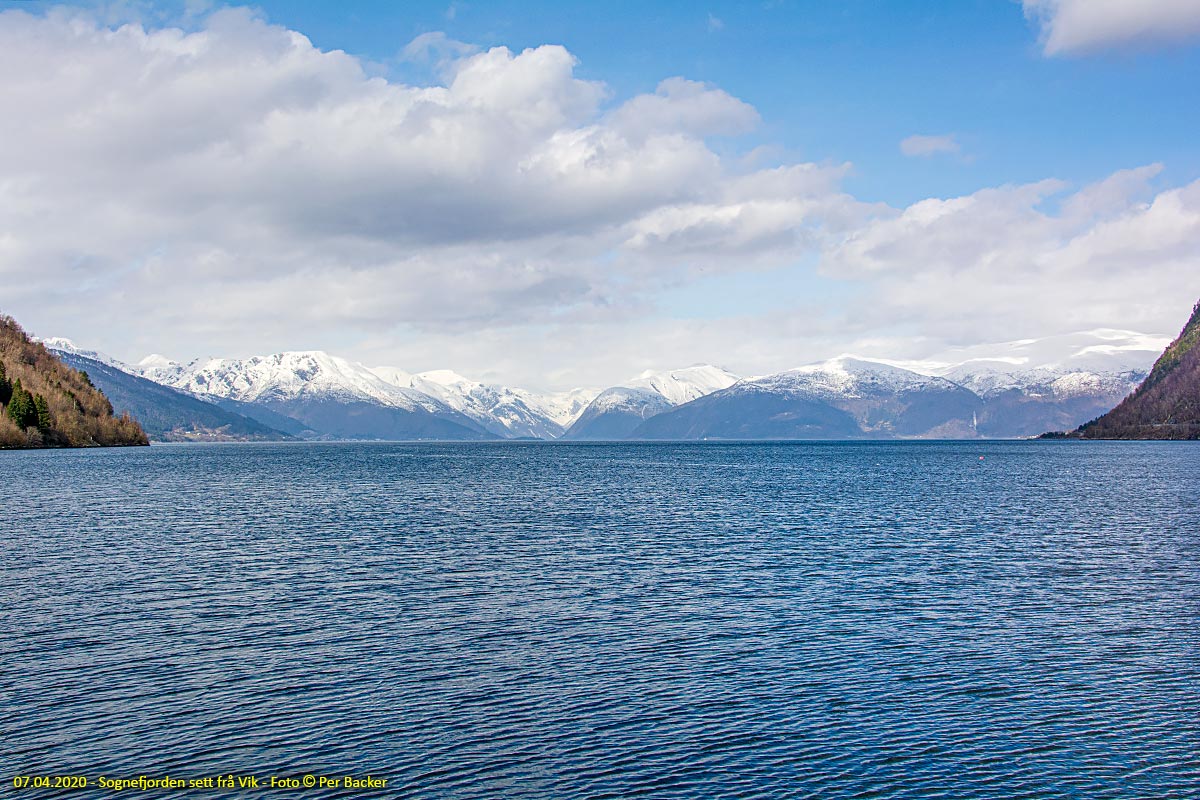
(20, 408)
(5, 386)
(43, 413)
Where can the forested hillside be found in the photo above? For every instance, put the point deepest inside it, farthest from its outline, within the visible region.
(1167, 404)
(44, 403)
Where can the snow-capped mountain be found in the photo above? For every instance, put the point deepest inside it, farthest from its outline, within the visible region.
(291, 376)
(169, 415)
(503, 411)
(684, 385)
(61, 345)
(330, 395)
(851, 397)
(166, 414)
(316, 394)
(616, 412)
(850, 377)
(1052, 397)
(845, 397)
(992, 380)
(271, 388)
(565, 407)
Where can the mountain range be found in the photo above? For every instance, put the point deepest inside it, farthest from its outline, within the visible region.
(314, 394)
(168, 415)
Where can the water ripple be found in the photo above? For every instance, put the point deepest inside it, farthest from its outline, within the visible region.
(860, 620)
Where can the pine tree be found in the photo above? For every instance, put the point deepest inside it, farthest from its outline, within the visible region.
(20, 408)
(6, 388)
(44, 423)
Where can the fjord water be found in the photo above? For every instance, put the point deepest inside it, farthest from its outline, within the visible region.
(937, 619)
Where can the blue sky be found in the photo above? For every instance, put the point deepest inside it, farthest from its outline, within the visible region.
(843, 81)
(699, 263)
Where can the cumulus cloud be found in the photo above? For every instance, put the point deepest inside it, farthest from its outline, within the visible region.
(925, 146)
(680, 105)
(245, 169)
(438, 49)
(236, 189)
(1081, 26)
(1037, 258)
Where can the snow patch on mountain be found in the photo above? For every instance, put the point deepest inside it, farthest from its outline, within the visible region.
(565, 407)
(616, 411)
(990, 379)
(61, 345)
(640, 402)
(502, 410)
(290, 376)
(684, 385)
(848, 376)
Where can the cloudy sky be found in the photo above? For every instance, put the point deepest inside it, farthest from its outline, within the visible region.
(549, 196)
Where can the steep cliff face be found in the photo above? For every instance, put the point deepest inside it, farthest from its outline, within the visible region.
(45, 403)
(1167, 404)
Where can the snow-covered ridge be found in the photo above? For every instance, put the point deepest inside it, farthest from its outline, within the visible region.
(684, 385)
(635, 400)
(67, 346)
(848, 376)
(616, 411)
(990, 381)
(513, 412)
(316, 375)
(852, 376)
(502, 410)
(289, 376)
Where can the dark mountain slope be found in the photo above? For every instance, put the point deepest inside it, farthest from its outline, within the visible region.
(356, 419)
(166, 414)
(751, 412)
(265, 416)
(615, 414)
(1167, 404)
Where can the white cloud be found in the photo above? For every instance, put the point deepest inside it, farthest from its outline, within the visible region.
(715, 24)
(237, 190)
(925, 146)
(1081, 26)
(436, 48)
(1035, 259)
(683, 106)
(196, 186)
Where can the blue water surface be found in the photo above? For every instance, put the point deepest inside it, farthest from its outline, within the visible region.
(926, 619)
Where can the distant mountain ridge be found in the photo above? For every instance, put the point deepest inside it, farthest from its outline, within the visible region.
(844, 397)
(509, 413)
(1025, 403)
(617, 412)
(854, 398)
(313, 394)
(166, 414)
(1167, 404)
(329, 395)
